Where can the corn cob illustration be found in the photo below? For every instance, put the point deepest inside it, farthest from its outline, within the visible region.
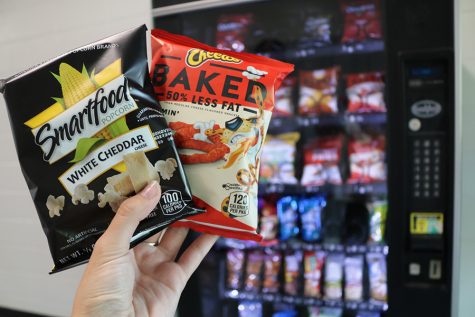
(76, 86)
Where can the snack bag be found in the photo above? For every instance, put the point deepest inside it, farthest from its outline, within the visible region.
(283, 97)
(378, 287)
(232, 31)
(377, 220)
(278, 159)
(325, 312)
(268, 222)
(313, 266)
(219, 104)
(365, 92)
(317, 30)
(235, 267)
(354, 266)
(318, 91)
(362, 21)
(285, 313)
(253, 280)
(287, 211)
(311, 218)
(272, 262)
(367, 159)
(321, 161)
(334, 276)
(292, 263)
(89, 133)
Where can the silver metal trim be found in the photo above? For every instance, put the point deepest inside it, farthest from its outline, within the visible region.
(195, 6)
(458, 165)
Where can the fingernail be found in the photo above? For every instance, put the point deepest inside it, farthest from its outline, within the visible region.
(150, 191)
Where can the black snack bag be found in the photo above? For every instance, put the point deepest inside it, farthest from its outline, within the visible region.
(89, 133)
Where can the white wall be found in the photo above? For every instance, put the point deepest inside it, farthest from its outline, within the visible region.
(30, 32)
(466, 76)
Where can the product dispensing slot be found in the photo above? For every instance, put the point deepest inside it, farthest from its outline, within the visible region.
(427, 112)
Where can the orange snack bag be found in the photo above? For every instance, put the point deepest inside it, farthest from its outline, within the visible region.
(219, 103)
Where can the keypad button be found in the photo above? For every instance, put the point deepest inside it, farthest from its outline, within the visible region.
(427, 143)
(417, 193)
(417, 143)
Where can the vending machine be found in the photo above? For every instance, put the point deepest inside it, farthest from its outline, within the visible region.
(356, 181)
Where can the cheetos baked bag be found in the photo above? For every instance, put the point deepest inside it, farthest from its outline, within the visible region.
(219, 104)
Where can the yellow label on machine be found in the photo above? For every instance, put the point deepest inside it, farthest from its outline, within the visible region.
(427, 223)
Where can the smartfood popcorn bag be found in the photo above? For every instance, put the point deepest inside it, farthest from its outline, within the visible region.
(89, 133)
(219, 104)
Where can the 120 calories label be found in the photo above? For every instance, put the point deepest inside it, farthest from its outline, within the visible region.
(239, 204)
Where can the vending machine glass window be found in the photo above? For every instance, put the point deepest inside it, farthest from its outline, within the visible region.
(355, 183)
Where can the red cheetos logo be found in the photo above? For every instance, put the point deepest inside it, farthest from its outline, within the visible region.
(196, 57)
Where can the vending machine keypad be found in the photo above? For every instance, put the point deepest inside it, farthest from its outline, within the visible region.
(426, 167)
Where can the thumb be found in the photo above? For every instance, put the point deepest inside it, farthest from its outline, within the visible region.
(116, 239)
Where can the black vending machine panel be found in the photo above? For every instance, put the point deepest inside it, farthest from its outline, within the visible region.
(426, 183)
(428, 108)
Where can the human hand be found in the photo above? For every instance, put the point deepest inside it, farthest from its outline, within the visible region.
(144, 281)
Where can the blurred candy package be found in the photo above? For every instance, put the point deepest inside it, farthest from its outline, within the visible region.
(362, 21)
(278, 158)
(292, 263)
(321, 161)
(232, 30)
(334, 276)
(284, 311)
(317, 30)
(272, 263)
(354, 266)
(311, 217)
(253, 280)
(234, 266)
(250, 309)
(284, 97)
(313, 267)
(366, 156)
(365, 92)
(268, 222)
(325, 312)
(378, 287)
(377, 220)
(287, 211)
(318, 91)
